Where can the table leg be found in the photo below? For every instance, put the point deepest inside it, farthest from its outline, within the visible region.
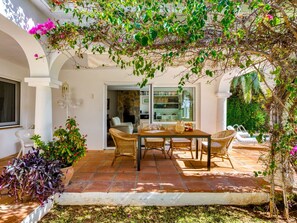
(197, 141)
(208, 152)
(138, 153)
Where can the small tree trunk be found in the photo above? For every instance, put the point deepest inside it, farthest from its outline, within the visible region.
(272, 207)
(284, 169)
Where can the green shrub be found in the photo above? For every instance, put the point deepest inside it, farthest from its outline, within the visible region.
(251, 115)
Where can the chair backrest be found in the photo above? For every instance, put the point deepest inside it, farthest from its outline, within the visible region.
(124, 142)
(115, 121)
(224, 138)
(24, 135)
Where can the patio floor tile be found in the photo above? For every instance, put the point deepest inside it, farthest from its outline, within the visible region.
(148, 177)
(148, 187)
(122, 186)
(96, 186)
(103, 177)
(78, 176)
(173, 186)
(200, 186)
(76, 186)
(125, 176)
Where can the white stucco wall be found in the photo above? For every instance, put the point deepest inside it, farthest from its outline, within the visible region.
(8, 142)
(22, 12)
(90, 86)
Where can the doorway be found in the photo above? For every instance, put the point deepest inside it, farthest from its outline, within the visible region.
(123, 101)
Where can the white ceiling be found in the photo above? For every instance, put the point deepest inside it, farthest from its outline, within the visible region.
(10, 50)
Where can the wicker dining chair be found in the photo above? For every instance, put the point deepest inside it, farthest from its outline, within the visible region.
(180, 144)
(125, 144)
(220, 143)
(154, 143)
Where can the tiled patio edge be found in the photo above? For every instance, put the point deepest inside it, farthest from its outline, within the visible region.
(39, 212)
(162, 199)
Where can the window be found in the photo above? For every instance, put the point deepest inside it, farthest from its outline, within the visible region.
(9, 102)
(170, 105)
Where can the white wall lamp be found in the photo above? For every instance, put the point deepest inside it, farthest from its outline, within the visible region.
(66, 101)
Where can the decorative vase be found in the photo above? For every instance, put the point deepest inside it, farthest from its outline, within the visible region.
(67, 175)
(180, 127)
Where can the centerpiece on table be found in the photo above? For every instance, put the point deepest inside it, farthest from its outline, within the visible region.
(68, 146)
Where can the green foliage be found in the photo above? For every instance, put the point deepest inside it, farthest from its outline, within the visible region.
(250, 115)
(246, 86)
(69, 144)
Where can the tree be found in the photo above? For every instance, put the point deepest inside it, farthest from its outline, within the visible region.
(206, 36)
(247, 85)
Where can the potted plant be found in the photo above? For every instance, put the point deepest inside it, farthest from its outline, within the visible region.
(68, 146)
(33, 177)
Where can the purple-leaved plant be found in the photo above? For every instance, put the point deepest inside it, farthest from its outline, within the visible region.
(33, 177)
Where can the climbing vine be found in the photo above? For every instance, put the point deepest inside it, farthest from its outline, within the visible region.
(207, 37)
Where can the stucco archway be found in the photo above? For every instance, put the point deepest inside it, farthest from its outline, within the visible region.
(223, 93)
(40, 77)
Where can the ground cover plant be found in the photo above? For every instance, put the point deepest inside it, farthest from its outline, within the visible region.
(186, 214)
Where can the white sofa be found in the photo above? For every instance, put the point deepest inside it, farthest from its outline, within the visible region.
(126, 127)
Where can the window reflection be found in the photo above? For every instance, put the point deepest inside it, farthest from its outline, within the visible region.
(169, 105)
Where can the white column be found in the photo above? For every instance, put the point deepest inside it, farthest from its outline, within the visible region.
(43, 105)
(222, 110)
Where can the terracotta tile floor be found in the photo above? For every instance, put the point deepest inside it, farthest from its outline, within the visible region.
(93, 173)
(179, 174)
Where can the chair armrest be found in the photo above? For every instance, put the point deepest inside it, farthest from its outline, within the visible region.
(124, 128)
(126, 123)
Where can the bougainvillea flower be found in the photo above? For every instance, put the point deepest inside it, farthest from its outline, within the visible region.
(294, 150)
(49, 24)
(33, 31)
(42, 29)
(269, 17)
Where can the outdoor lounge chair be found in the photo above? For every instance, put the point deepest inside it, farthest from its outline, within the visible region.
(122, 126)
(125, 144)
(242, 135)
(220, 143)
(24, 136)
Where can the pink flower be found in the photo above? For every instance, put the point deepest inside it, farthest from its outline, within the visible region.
(293, 151)
(269, 17)
(43, 32)
(36, 55)
(42, 29)
(49, 24)
(120, 40)
(33, 31)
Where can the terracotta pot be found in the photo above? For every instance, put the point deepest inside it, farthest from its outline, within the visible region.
(67, 174)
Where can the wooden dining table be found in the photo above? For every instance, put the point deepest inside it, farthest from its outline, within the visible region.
(195, 134)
